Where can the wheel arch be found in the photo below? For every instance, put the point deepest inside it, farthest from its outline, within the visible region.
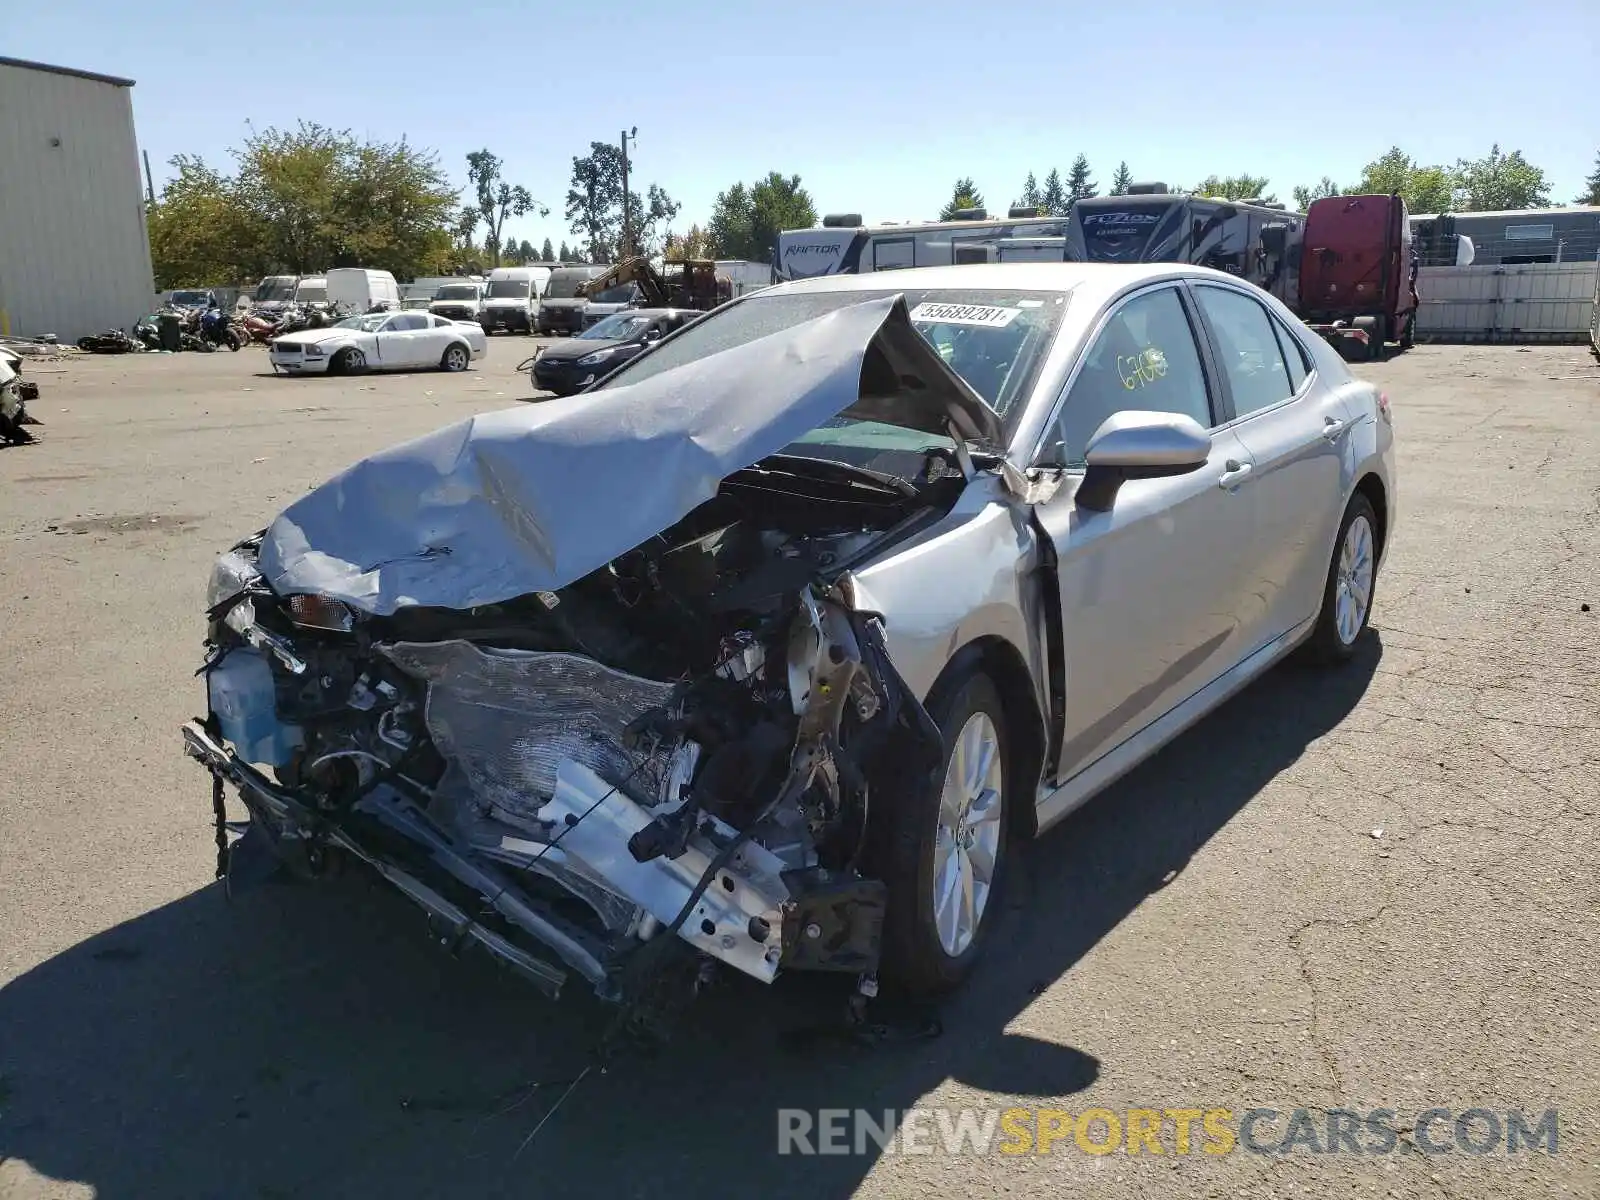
(1370, 486)
(1006, 667)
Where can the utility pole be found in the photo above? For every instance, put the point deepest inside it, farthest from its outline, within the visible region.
(149, 183)
(627, 228)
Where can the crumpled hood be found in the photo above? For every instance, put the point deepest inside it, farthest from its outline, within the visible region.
(532, 498)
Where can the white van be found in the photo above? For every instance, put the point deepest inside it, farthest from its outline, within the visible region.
(511, 301)
(311, 289)
(561, 310)
(361, 290)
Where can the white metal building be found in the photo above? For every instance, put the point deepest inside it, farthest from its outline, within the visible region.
(74, 250)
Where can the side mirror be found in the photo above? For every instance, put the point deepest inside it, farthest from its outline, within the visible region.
(1139, 445)
(652, 335)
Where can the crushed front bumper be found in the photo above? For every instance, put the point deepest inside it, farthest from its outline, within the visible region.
(279, 815)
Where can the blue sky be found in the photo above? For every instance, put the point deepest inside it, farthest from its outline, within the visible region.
(878, 106)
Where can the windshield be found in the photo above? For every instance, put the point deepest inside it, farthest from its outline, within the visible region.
(460, 291)
(311, 295)
(563, 285)
(190, 298)
(367, 323)
(508, 289)
(276, 287)
(995, 340)
(616, 295)
(620, 325)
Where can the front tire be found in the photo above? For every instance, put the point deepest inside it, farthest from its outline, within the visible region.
(1347, 594)
(946, 851)
(349, 361)
(456, 358)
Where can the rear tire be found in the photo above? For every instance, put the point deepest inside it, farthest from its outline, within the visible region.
(1350, 587)
(456, 358)
(945, 851)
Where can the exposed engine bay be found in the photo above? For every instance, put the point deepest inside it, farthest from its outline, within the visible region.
(686, 746)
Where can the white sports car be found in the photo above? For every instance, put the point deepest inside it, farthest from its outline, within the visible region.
(381, 341)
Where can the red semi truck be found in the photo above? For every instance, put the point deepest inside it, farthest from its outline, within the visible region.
(1358, 275)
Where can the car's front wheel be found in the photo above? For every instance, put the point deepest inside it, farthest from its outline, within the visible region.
(456, 358)
(349, 361)
(1347, 593)
(946, 852)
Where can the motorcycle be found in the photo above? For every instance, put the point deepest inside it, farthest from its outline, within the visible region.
(15, 392)
(215, 329)
(263, 329)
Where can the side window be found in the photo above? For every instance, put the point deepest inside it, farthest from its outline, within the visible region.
(1294, 355)
(1248, 350)
(1145, 358)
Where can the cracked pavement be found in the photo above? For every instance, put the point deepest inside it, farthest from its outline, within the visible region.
(1370, 889)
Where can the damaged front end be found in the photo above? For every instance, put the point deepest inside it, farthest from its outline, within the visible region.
(587, 681)
(685, 744)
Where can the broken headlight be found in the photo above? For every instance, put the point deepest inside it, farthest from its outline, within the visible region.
(321, 612)
(232, 574)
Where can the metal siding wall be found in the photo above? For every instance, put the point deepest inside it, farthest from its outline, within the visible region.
(74, 250)
(1532, 302)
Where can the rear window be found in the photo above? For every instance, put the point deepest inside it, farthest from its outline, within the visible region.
(1119, 234)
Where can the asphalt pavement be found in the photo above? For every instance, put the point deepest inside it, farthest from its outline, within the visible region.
(1371, 889)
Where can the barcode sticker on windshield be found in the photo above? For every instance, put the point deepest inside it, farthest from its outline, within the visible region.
(964, 314)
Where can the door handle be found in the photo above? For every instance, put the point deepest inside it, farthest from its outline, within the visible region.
(1332, 427)
(1233, 474)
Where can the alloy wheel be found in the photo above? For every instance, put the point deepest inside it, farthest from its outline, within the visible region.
(967, 840)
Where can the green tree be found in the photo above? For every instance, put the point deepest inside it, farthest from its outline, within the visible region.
(964, 195)
(1424, 189)
(525, 252)
(596, 205)
(1031, 196)
(306, 199)
(1501, 181)
(1235, 187)
(1591, 186)
(547, 252)
(1321, 190)
(496, 199)
(197, 228)
(1053, 198)
(1079, 185)
(696, 243)
(566, 253)
(1122, 180)
(746, 220)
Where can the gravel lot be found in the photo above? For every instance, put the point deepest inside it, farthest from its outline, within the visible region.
(1225, 928)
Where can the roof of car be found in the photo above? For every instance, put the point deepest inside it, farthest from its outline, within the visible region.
(1098, 278)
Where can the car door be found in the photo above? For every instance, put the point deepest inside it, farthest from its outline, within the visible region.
(397, 340)
(1296, 432)
(1150, 589)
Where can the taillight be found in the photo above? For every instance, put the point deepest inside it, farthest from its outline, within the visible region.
(1383, 408)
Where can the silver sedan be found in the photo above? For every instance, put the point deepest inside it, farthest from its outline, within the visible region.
(777, 638)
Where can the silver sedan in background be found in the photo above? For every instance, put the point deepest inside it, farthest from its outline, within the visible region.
(774, 640)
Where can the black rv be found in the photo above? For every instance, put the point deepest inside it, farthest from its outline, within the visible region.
(1255, 241)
